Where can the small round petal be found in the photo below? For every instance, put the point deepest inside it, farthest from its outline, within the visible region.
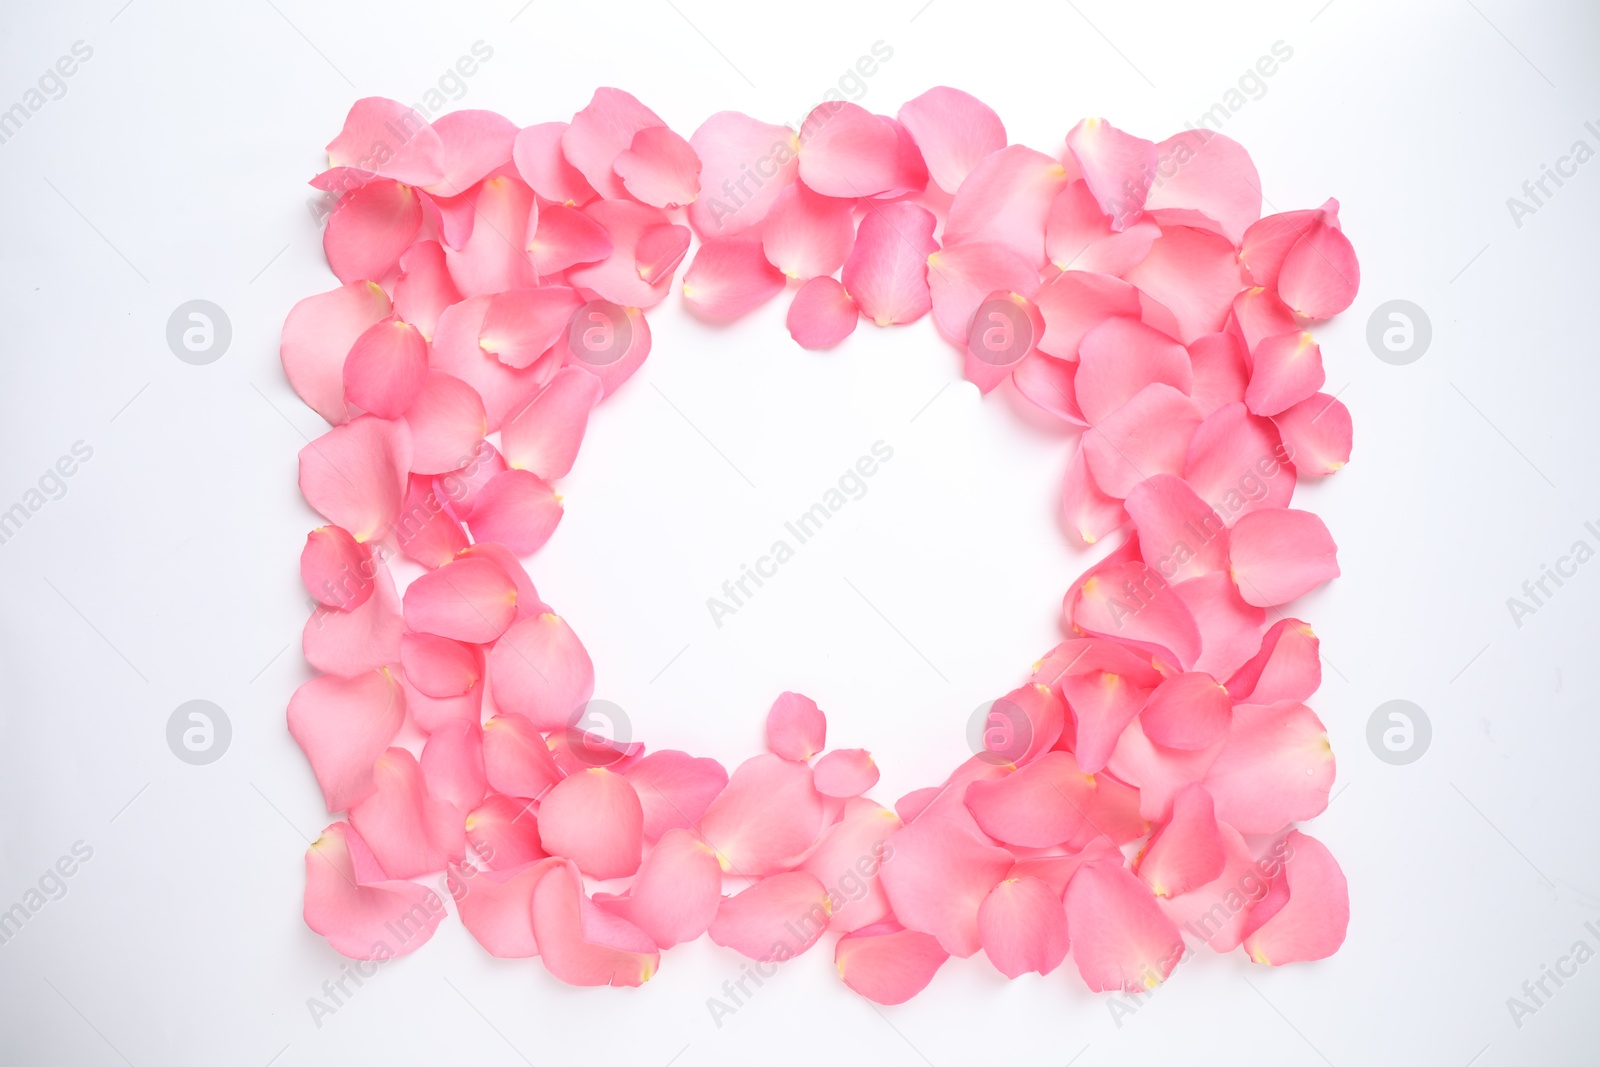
(470, 600)
(517, 509)
(540, 669)
(594, 819)
(887, 963)
(846, 772)
(796, 727)
(1023, 927)
(822, 314)
(774, 920)
(386, 368)
(317, 335)
(337, 570)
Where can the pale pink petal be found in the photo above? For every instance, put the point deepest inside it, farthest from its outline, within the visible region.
(1180, 535)
(1287, 369)
(565, 236)
(471, 600)
(518, 509)
(847, 860)
(942, 869)
(1078, 236)
(343, 725)
(745, 165)
(618, 277)
(1121, 940)
(1158, 773)
(796, 727)
(523, 324)
(361, 639)
(911, 172)
(385, 138)
(1051, 384)
(447, 423)
(1075, 302)
(602, 131)
(846, 772)
(766, 818)
(807, 234)
(1146, 436)
(1038, 806)
(1132, 604)
(1307, 910)
(1258, 314)
(594, 819)
(1193, 273)
(961, 276)
(954, 131)
(493, 258)
(452, 218)
(1188, 711)
(440, 667)
(821, 314)
(846, 151)
(452, 765)
(1320, 275)
(1317, 434)
(1118, 358)
(317, 335)
(424, 289)
(476, 143)
(580, 943)
(659, 251)
(1006, 199)
(1117, 167)
(774, 920)
(504, 831)
(337, 570)
(1221, 371)
(355, 475)
(386, 368)
(426, 529)
(886, 273)
(1023, 927)
(729, 277)
(370, 228)
(540, 162)
(516, 759)
(1275, 769)
(678, 891)
(659, 168)
(1287, 666)
(496, 906)
(1277, 554)
(362, 912)
(456, 351)
(1201, 172)
(675, 789)
(1230, 629)
(544, 437)
(1237, 464)
(1086, 511)
(1187, 851)
(887, 963)
(539, 669)
(411, 832)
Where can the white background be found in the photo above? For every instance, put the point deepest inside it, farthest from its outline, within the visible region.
(174, 168)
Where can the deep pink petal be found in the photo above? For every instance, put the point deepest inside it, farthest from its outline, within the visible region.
(504, 831)
(1287, 369)
(618, 277)
(678, 891)
(370, 228)
(1180, 535)
(439, 666)
(1187, 711)
(847, 861)
(359, 640)
(476, 143)
(386, 368)
(1040, 805)
(564, 237)
(942, 869)
(960, 277)
(1187, 851)
(1236, 463)
(1078, 235)
(847, 151)
(494, 259)
(1118, 358)
(1287, 666)
(1075, 302)
(1132, 604)
(1320, 274)
(1146, 436)
(426, 529)
(1087, 512)
(1317, 433)
(496, 906)
(456, 351)
(383, 138)
(1051, 384)
(1221, 371)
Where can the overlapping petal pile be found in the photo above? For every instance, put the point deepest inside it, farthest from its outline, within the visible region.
(1138, 790)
